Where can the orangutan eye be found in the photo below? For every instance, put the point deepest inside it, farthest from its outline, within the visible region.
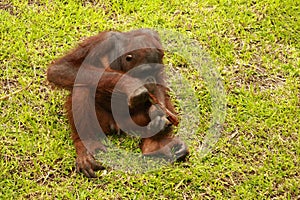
(129, 58)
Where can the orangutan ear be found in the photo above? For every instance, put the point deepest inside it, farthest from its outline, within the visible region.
(104, 52)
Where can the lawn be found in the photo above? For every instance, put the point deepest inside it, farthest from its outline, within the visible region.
(255, 51)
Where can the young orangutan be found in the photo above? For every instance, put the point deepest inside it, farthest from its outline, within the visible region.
(108, 76)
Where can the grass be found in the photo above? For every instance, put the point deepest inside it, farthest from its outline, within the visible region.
(256, 46)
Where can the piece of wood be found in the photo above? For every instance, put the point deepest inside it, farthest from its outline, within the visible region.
(170, 116)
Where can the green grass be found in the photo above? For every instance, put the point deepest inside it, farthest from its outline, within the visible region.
(256, 46)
